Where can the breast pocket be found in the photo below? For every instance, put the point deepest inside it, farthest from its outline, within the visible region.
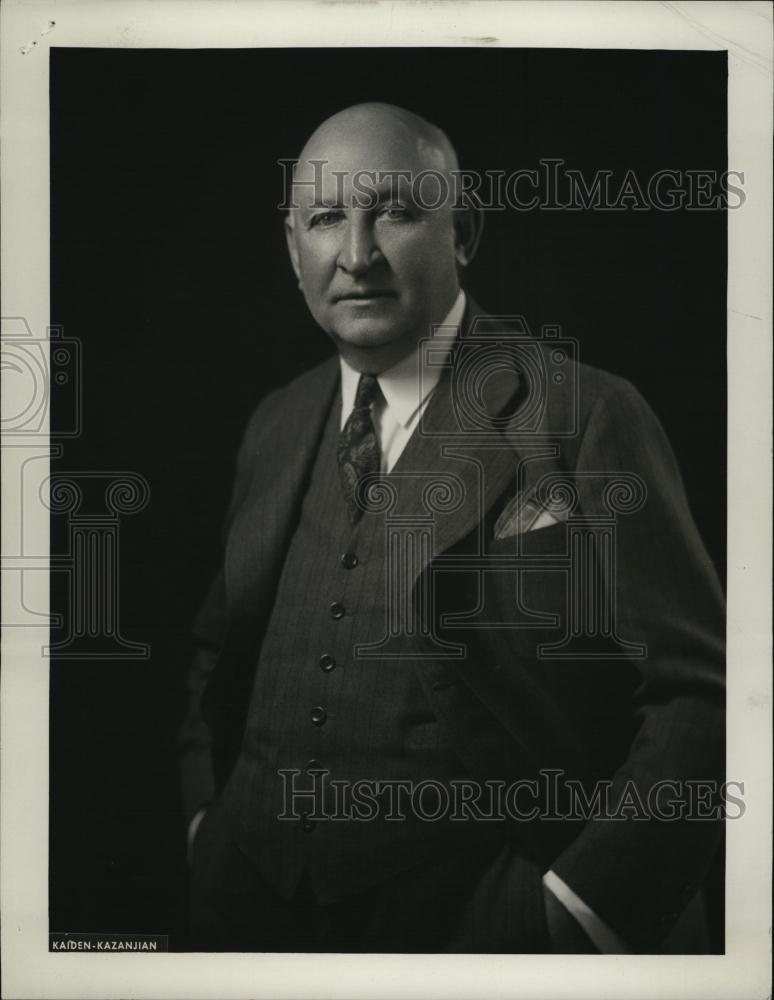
(527, 581)
(551, 540)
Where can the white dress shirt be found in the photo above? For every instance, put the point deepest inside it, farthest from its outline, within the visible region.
(406, 390)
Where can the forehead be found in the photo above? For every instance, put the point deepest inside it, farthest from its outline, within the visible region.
(332, 158)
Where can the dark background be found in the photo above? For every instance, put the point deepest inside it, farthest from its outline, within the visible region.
(168, 264)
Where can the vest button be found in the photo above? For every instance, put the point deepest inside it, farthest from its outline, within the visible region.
(307, 825)
(319, 715)
(349, 560)
(314, 765)
(337, 610)
(327, 662)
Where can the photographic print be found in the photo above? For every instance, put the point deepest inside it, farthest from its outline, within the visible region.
(383, 432)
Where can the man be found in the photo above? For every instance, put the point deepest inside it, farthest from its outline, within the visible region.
(455, 559)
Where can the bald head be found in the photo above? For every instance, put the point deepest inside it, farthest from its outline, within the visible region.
(367, 147)
(388, 131)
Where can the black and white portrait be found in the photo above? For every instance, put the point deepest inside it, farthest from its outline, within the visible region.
(389, 434)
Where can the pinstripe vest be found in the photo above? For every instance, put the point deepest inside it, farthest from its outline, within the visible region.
(317, 707)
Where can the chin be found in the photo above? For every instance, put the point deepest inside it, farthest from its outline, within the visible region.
(367, 338)
(368, 332)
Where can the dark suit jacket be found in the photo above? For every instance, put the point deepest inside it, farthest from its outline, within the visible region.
(618, 715)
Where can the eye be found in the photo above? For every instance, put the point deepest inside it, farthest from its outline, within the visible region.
(394, 213)
(326, 219)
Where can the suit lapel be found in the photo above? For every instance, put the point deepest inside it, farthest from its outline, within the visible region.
(477, 464)
(284, 449)
(261, 533)
(484, 464)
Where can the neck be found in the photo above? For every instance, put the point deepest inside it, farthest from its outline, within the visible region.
(375, 360)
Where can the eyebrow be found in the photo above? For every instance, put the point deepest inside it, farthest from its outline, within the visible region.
(325, 203)
(381, 192)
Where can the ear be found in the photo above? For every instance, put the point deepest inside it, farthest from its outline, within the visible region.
(290, 239)
(468, 225)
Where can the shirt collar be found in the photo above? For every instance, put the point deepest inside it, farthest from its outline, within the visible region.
(407, 384)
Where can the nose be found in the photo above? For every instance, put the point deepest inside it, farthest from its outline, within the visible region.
(359, 249)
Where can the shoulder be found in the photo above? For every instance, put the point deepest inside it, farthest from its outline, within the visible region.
(568, 396)
(300, 391)
(605, 398)
(563, 394)
(603, 421)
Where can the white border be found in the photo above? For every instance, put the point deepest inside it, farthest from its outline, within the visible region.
(745, 30)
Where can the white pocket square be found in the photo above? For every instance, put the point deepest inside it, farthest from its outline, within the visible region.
(522, 514)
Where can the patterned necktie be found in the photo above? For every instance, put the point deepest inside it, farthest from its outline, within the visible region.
(358, 451)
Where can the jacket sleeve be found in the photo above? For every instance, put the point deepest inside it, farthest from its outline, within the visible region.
(209, 632)
(637, 873)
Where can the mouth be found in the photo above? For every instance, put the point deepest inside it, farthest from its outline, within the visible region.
(364, 296)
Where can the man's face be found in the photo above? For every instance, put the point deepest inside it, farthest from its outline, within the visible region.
(375, 277)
